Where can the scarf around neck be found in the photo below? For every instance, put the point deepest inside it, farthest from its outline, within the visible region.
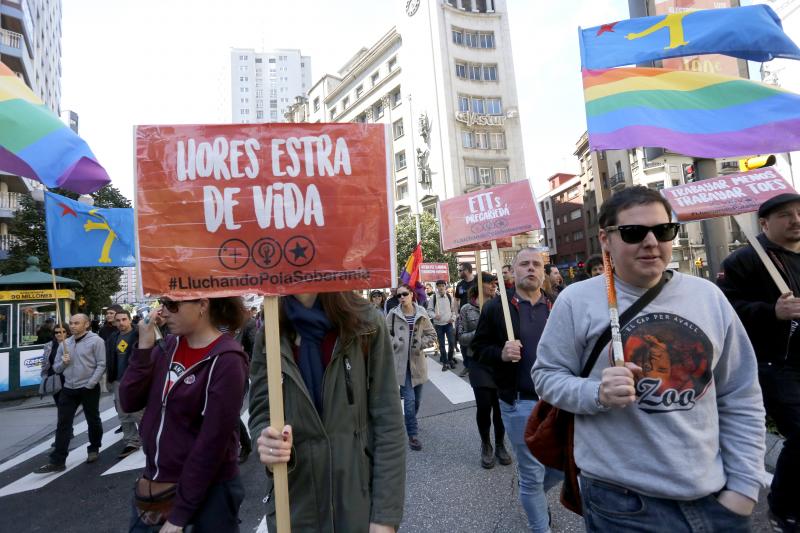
(311, 325)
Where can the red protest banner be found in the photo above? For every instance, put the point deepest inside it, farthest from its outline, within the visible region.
(725, 195)
(472, 221)
(255, 208)
(434, 272)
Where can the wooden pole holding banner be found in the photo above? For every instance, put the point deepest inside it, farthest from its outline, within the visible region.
(58, 310)
(613, 311)
(480, 278)
(762, 254)
(280, 472)
(503, 295)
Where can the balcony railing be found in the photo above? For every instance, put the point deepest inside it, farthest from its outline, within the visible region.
(11, 39)
(6, 241)
(617, 179)
(10, 200)
(653, 164)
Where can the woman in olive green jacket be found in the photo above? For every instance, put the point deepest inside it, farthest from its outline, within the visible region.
(344, 437)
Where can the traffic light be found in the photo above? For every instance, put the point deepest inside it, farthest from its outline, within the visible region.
(698, 262)
(760, 161)
(689, 174)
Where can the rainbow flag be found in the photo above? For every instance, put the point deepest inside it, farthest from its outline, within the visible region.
(34, 143)
(410, 273)
(690, 113)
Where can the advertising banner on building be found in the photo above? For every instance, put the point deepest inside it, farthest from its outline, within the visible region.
(434, 272)
(30, 367)
(263, 208)
(726, 195)
(4, 373)
(471, 221)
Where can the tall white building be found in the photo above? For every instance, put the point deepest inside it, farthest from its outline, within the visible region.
(127, 284)
(265, 84)
(443, 79)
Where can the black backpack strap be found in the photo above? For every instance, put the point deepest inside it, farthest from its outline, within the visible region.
(626, 317)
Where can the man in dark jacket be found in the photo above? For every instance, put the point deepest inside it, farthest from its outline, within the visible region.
(119, 347)
(109, 327)
(512, 362)
(771, 321)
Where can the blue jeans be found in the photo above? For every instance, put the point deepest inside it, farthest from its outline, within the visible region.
(441, 331)
(411, 400)
(534, 479)
(609, 507)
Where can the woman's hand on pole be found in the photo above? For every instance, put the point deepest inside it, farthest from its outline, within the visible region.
(275, 447)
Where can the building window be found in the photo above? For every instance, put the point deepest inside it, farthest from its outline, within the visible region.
(361, 119)
(378, 110)
(485, 175)
(468, 139)
(392, 64)
(471, 175)
(493, 106)
(497, 141)
(242, 58)
(500, 175)
(477, 106)
(575, 215)
(259, 114)
(482, 140)
(566, 237)
(316, 104)
(461, 70)
(474, 72)
(345, 102)
(577, 236)
(458, 37)
(575, 191)
(400, 160)
(359, 91)
(374, 79)
(490, 72)
(396, 98)
(398, 128)
(402, 191)
(332, 113)
(463, 104)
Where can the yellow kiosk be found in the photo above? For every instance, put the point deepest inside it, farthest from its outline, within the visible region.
(27, 317)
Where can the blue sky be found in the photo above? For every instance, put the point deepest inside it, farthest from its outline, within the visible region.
(132, 62)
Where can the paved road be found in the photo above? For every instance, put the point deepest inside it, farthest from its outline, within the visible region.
(446, 488)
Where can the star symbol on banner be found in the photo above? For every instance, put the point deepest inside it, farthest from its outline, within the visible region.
(67, 210)
(299, 251)
(606, 27)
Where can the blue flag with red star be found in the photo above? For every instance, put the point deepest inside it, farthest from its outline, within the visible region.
(80, 235)
(753, 32)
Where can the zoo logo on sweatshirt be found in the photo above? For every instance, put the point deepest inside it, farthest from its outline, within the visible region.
(675, 356)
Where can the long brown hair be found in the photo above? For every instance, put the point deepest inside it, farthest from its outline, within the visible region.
(227, 312)
(345, 309)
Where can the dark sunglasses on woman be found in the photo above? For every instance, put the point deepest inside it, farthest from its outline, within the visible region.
(636, 233)
(173, 306)
(401, 294)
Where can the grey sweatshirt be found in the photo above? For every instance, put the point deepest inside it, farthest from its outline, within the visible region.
(698, 421)
(87, 361)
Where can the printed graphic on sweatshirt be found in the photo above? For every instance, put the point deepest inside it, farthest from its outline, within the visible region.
(675, 356)
(175, 371)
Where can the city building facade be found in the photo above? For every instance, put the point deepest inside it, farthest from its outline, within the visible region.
(562, 209)
(127, 284)
(30, 45)
(265, 84)
(443, 81)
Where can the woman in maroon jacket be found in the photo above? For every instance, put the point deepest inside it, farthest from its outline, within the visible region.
(191, 387)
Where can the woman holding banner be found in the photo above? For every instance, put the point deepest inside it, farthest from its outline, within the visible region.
(343, 441)
(411, 331)
(191, 386)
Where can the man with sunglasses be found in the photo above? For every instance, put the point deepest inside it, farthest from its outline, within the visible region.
(771, 320)
(674, 439)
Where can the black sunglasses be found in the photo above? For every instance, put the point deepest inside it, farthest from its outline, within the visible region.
(173, 306)
(635, 233)
(402, 294)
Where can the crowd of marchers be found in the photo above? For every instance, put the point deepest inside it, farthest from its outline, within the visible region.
(671, 440)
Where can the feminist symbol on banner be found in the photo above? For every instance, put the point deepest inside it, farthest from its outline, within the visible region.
(267, 252)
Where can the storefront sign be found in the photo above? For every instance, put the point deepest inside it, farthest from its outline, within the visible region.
(38, 294)
(474, 119)
(726, 195)
(471, 221)
(30, 367)
(434, 272)
(263, 208)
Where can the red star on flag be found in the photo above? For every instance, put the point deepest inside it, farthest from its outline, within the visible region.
(606, 27)
(67, 210)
